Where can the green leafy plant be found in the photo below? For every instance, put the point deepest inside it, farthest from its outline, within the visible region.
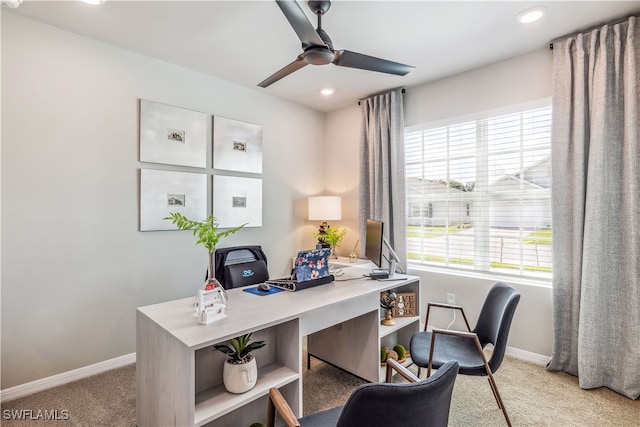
(239, 348)
(332, 235)
(207, 232)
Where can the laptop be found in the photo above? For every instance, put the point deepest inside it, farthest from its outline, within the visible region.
(311, 269)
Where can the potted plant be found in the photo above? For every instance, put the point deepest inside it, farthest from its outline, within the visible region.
(240, 371)
(208, 235)
(332, 236)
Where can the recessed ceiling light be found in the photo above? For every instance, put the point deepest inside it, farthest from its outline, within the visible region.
(327, 91)
(531, 15)
(94, 2)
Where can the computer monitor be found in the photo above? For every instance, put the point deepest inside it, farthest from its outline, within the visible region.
(374, 242)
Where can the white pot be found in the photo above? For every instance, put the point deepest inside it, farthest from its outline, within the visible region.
(240, 378)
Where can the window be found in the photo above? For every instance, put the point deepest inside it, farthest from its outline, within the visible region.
(486, 183)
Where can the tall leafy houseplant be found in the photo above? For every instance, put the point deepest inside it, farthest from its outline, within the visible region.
(207, 232)
(332, 236)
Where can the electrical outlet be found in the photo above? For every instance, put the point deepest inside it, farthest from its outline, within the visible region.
(451, 298)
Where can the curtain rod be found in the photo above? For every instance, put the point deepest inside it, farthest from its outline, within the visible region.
(380, 93)
(614, 22)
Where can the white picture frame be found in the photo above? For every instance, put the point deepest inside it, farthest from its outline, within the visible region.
(172, 135)
(237, 146)
(237, 200)
(163, 192)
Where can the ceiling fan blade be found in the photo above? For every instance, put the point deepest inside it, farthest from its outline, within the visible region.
(346, 58)
(294, 66)
(300, 23)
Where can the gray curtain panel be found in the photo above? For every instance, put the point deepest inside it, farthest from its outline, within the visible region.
(596, 207)
(382, 177)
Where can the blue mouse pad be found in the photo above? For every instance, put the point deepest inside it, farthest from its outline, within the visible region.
(254, 290)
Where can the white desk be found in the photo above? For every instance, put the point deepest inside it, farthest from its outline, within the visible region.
(179, 377)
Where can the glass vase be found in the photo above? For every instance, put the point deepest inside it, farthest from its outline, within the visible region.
(334, 252)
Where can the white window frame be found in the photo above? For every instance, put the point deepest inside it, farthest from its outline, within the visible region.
(481, 240)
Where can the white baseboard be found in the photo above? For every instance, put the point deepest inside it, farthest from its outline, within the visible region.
(527, 356)
(65, 377)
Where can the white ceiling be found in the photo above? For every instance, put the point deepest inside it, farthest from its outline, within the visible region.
(246, 41)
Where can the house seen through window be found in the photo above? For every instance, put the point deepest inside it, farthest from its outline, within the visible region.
(479, 194)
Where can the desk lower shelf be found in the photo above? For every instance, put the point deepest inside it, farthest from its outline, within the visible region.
(400, 333)
(216, 402)
(401, 322)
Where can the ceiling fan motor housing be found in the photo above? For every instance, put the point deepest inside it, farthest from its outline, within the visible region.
(318, 55)
(319, 7)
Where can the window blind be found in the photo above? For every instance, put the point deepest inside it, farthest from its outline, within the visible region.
(479, 194)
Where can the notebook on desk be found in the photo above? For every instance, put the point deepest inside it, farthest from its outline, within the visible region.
(311, 269)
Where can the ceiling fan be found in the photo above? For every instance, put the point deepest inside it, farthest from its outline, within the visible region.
(318, 48)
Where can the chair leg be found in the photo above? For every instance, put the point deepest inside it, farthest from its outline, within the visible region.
(498, 398)
(492, 382)
(494, 393)
(271, 414)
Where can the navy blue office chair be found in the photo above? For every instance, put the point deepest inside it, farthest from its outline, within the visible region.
(434, 349)
(417, 404)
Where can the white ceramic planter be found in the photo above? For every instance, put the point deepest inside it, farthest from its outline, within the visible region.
(240, 378)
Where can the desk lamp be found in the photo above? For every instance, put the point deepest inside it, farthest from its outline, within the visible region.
(325, 208)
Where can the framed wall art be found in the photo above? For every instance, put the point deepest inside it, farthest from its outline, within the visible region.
(172, 135)
(237, 200)
(162, 192)
(237, 146)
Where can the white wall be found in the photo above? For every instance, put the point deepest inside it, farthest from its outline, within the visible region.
(516, 81)
(512, 82)
(74, 265)
(342, 164)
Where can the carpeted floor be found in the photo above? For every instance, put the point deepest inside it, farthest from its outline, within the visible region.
(532, 396)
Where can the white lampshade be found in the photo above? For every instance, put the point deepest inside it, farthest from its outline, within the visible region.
(325, 208)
